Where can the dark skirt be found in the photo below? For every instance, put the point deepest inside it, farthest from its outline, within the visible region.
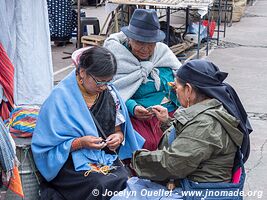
(70, 185)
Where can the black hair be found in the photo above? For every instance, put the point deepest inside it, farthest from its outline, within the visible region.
(98, 61)
(200, 96)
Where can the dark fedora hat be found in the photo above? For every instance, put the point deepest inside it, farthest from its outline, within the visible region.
(144, 26)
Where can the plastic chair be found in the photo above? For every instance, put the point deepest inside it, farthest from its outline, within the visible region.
(90, 21)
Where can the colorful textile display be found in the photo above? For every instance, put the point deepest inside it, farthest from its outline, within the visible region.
(22, 121)
(9, 161)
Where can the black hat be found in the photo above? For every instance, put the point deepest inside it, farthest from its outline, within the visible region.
(144, 26)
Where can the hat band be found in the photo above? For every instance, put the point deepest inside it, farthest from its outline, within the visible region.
(143, 32)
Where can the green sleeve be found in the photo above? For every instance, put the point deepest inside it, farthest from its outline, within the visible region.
(166, 125)
(180, 159)
(130, 104)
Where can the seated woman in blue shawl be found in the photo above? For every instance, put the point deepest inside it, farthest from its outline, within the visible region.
(82, 131)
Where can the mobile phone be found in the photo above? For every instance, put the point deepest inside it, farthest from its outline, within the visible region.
(149, 108)
(106, 140)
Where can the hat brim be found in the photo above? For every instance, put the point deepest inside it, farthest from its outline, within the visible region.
(157, 38)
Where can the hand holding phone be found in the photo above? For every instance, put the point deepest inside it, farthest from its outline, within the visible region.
(142, 113)
(149, 108)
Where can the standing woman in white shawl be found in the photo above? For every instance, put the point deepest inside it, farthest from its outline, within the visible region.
(145, 66)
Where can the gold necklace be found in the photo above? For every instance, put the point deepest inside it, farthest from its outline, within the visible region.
(91, 99)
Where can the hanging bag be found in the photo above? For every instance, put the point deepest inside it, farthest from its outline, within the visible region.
(216, 191)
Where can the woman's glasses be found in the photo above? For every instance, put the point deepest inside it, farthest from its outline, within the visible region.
(100, 83)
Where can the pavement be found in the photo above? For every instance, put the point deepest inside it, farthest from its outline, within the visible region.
(244, 58)
(242, 54)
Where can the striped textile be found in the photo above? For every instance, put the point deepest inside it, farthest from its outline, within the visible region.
(22, 121)
(7, 82)
(9, 162)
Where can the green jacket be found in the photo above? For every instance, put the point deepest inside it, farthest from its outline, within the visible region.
(203, 150)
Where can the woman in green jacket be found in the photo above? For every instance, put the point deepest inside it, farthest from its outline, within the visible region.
(201, 141)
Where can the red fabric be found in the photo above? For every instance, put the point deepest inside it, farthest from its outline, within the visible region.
(7, 82)
(4, 110)
(212, 26)
(150, 131)
(237, 176)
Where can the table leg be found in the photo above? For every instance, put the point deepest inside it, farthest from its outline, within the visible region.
(168, 25)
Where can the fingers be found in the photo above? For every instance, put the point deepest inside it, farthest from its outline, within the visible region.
(98, 145)
(92, 142)
(159, 108)
(156, 112)
(141, 109)
(161, 113)
(114, 145)
(141, 113)
(96, 139)
(114, 141)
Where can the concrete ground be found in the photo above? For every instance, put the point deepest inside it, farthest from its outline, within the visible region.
(243, 56)
(61, 60)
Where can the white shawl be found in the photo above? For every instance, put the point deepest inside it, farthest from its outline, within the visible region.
(131, 72)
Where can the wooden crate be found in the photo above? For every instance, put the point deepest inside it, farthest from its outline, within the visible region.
(95, 40)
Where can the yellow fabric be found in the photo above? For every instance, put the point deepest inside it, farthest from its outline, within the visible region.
(99, 169)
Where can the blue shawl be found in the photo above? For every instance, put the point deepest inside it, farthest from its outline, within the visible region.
(65, 116)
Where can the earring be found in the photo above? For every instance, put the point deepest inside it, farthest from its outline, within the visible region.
(188, 102)
(102, 87)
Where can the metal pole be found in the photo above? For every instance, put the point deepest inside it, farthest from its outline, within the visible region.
(186, 21)
(219, 21)
(168, 25)
(225, 16)
(198, 37)
(208, 31)
(79, 24)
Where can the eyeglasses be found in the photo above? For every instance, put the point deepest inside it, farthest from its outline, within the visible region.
(100, 83)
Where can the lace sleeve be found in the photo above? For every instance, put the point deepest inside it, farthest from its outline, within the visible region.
(119, 117)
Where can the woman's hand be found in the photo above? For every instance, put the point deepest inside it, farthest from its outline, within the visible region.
(141, 113)
(114, 140)
(161, 113)
(92, 142)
